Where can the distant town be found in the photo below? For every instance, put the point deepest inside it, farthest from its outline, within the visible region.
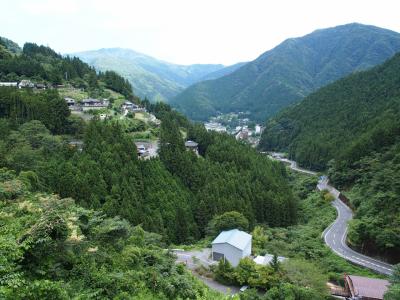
(237, 124)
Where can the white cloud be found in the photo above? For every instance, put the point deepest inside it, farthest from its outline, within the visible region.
(184, 31)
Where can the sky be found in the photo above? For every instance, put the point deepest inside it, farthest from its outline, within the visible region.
(184, 31)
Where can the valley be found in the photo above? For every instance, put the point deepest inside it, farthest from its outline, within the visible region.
(123, 176)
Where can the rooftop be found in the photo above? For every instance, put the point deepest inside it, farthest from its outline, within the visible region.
(367, 287)
(235, 237)
(191, 144)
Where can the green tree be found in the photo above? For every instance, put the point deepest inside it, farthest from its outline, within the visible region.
(227, 221)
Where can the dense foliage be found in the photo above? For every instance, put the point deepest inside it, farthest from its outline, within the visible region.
(23, 106)
(394, 289)
(176, 195)
(352, 126)
(51, 248)
(289, 72)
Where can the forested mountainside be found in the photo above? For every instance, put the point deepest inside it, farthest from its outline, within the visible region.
(152, 78)
(289, 72)
(42, 64)
(93, 222)
(223, 72)
(352, 127)
(51, 248)
(175, 196)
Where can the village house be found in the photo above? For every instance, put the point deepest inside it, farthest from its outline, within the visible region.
(70, 101)
(192, 146)
(9, 84)
(132, 107)
(76, 144)
(93, 104)
(41, 86)
(26, 84)
(364, 288)
(232, 245)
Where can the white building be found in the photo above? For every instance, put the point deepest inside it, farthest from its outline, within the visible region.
(257, 129)
(9, 84)
(232, 245)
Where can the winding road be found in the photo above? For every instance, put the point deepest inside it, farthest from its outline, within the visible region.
(336, 233)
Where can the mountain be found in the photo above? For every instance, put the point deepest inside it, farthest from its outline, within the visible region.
(10, 45)
(150, 77)
(290, 71)
(223, 72)
(43, 65)
(352, 127)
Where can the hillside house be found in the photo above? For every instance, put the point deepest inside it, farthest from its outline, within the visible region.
(192, 146)
(132, 107)
(232, 245)
(94, 104)
(26, 84)
(41, 86)
(70, 101)
(9, 84)
(364, 288)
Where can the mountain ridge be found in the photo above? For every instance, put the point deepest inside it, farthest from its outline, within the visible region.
(150, 77)
(290, 71)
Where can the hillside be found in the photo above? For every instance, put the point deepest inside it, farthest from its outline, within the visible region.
(43, 65)
(52, 248)
(352, 127)
(290, 71)
(223, 72)
(150, 77)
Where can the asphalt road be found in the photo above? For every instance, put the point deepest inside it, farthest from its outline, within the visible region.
(335, 235)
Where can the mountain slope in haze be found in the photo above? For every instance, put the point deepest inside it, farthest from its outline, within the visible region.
(352, 127)
(223, 72)
(290, 71)
(150, 77)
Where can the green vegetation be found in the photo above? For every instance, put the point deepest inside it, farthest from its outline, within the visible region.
(289, 72)
(310, 263)
(43, 65)
(352, 127)
(227, 221)
(303, 241)
(50, 248)
(394, 290)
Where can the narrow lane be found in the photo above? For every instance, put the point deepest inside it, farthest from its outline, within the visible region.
(335, 234)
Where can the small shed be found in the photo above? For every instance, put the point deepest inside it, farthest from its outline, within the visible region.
(232, 245)
(364, 288)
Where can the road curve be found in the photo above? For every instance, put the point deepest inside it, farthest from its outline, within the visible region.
(336, 233)
(335, 236)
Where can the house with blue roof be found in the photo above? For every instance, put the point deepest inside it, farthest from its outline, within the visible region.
(232, 245)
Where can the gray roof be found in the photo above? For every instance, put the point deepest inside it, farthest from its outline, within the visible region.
(190, 144)
(235, 237)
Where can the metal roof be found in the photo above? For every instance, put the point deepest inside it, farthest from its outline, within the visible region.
(367, 287)
(191, 144)
(235, 237)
